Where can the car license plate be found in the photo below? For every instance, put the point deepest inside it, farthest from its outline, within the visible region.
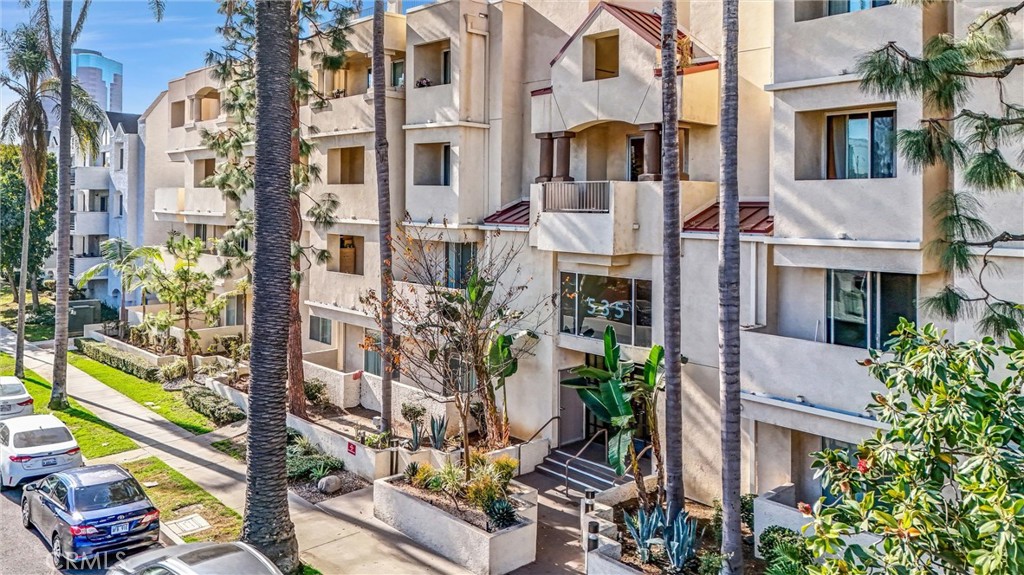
(119, 528)
(5, 407)
(50, 462)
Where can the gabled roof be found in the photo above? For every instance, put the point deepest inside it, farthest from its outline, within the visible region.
(754, 219)
(517, 214)
(646, 25)
(129, 122)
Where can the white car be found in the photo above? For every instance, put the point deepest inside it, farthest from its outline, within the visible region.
(34, 446)
(14, 399)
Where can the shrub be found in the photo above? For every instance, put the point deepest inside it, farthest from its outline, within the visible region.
(411, 470)
(505, 467)
(299, 445)
(438, 430)
(173, 371)
(483, 490)
(207, 402)
(710, 563)
(788, 558)
(424, 474)
(312, 466)
(774, 538)
(747, 510)
(126, 362)
(413, 413)
(501, 514)
(716, 520)
(377, 440)
(316, 392)
(450, 478)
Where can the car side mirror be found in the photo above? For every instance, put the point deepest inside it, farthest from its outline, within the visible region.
(29, 487)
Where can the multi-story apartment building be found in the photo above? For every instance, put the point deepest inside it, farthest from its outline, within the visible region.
(109, 201)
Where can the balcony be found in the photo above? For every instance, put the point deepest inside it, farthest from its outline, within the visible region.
(91, 178)
(431, 104)
(806, 373)
(607, 218)
(89, 223)
(81, 263)
(192, 205)
(338, 290)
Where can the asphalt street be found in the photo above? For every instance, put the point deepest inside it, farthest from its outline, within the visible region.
(23, 551)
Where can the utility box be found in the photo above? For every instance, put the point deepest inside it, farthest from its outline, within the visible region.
(82, 313)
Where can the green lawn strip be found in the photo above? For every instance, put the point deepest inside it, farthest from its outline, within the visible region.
(168, 404)
(309, 570)
(230, 447)
(96, 437)
(176, 496)
(41, 331)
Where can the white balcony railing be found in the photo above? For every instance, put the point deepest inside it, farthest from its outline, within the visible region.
(586, 197)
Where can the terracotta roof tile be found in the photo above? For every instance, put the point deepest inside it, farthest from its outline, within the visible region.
(517, 214)
(754, 219)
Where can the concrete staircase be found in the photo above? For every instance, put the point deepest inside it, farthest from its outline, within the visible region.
(583, 473)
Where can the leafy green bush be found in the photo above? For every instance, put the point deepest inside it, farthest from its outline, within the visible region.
(789, 559)
(423, 476)
(173, 371)
(774, 538)
(316, 392)
(710, 563)
(312, 466)
(747, 509)
(482, 491)
(206, 401)
(126, 362)
(377, 440)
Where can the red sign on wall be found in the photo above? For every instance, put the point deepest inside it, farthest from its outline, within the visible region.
(351, 448)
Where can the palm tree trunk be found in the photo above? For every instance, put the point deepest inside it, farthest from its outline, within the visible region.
(124, 308)
(266, 524)
(674, 489)
(380, 130)
(26, 237)
(296, 372)
(35, 292)
(729, 296)
(59, 391)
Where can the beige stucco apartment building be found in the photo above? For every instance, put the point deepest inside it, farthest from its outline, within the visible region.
(539, 122)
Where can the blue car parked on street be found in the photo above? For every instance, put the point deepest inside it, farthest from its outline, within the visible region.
(89, 511)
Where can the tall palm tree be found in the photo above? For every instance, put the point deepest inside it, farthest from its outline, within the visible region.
(729, 294)
(267, 524)
(25, 121)
(380, 131)
(128, 262)
(674, 492)
(61, 66)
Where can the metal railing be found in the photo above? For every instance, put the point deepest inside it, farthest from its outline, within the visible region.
(585, 197)
(568, 464)
(519, 447)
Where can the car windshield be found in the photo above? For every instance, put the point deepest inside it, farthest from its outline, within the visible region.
(41, 437)
(106, 495)
(11, 389)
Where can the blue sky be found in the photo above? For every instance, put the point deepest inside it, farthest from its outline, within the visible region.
(152, 52)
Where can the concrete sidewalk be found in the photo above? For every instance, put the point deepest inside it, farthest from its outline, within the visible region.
(338, 536)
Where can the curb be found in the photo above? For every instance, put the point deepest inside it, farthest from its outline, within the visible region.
(169, 538)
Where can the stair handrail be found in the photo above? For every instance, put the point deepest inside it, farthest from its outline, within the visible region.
(519, 448)
(568, 464)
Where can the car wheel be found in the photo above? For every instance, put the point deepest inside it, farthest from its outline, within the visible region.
(26, 521)
(57, 552)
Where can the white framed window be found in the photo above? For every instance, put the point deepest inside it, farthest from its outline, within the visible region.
(863, 308)
(860, 145)
(320, 329)
(373, 362)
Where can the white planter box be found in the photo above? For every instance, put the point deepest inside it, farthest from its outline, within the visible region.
(475, 549)
(530, 455)
(605, 559)
(95, 332)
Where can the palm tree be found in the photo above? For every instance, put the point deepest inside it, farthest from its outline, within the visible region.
(674, 492)
(62, 68)
(267, 524)
(380, 130)
(25, 121)
(729, 295)
(129, 263)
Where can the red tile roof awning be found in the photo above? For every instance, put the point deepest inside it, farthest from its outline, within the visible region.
(644, 24)
(754, 219)
(517, 214)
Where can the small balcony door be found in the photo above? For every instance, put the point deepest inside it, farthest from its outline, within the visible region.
(635, 154)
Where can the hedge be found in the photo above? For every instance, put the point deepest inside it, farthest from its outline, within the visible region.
(126, 362)
(206, 401)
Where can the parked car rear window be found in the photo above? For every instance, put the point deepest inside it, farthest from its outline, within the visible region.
(41, 437)
(11, 389)
(106, 495)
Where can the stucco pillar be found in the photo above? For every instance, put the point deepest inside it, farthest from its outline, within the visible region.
(562, 156)
(652, 153)
(547, 157)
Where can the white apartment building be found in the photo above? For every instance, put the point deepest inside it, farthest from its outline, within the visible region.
(539, 122)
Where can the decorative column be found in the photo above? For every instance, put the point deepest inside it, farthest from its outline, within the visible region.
(562, 156)
(547, 157)
(652, 153)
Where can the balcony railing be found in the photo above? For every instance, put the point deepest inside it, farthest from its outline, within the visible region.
(586, 197)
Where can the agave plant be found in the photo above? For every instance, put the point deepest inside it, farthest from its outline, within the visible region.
(643, 529)
(680, 540)
(438, 430)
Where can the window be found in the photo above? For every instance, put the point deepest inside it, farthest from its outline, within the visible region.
(101, 203)
(178, 114)
(345, 165)
(105, 159)
(320, 329)
(863, 308)
(446, 67)
(601, 56)
(199, 231)
(433, 63)
(398, 73)
(350, 255)
(42, 437)
(208, 104)
(846, 6)
(108, 495)
(120, 158)
(373, 363)
(827, 443)
(202, 171)
(861, 145)
(459, 261)
(589, 304)
(120, 206)
(60, 493)
(234, 310)
(432, 164)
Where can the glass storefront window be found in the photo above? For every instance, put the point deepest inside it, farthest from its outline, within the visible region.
(589, 304)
